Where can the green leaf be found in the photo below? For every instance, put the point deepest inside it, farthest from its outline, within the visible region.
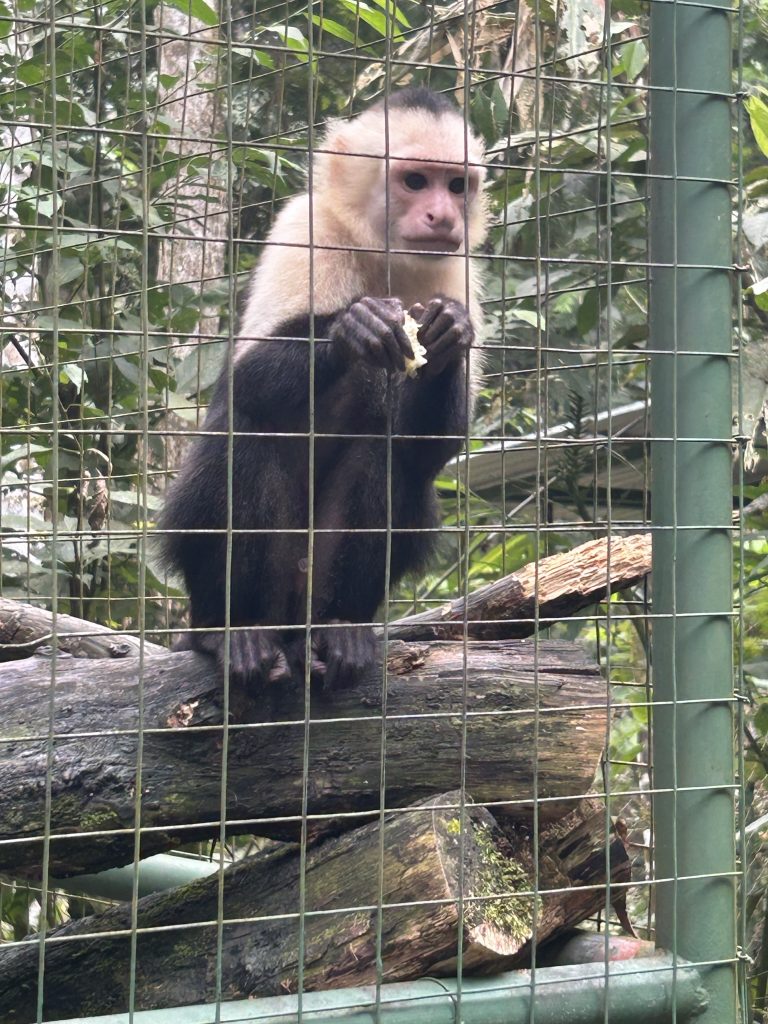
(73, 373)
(482, 116)
(758, 119)
(31, 72)
(68, 270)
(133, 499)
(588, 313)
(196, 9)
(761, 719)
(377, 21)
(528, 316)
(634, 59)
(22, 452)
(394, 11)
(35, 524)
(334, 28)
(6, 22)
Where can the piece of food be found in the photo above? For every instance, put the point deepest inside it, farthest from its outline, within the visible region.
(412, 366)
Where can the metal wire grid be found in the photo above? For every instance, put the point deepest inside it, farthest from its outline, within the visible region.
(530, 360)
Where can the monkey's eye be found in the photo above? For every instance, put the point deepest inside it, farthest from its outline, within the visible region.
(456, 185)
(415, 181)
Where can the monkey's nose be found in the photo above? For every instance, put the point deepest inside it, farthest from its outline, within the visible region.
(440, 220)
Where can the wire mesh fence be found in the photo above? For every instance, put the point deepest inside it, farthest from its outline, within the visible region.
(371, 701)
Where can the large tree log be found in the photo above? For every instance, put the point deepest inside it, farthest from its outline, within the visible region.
(489, 711)
(446, 881)
(538, 594)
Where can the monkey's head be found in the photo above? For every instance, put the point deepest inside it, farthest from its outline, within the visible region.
(408, 176)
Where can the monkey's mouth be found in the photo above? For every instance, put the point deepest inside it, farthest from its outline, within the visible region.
(433, 246)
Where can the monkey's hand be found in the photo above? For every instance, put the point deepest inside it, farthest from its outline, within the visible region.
(445, 331)
(372, 330)
(343, 653)
(256, 659)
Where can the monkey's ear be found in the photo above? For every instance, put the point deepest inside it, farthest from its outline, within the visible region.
(339, 143)
(332, 161)
(349, 171)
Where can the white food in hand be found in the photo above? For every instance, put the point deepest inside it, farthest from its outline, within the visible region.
(411, 328)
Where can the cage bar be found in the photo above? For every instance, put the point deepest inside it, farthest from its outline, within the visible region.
(690, 324)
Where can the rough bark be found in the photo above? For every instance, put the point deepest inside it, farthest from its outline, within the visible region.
(482, 714)
(446, 881)
(536, 595)
(24, 629)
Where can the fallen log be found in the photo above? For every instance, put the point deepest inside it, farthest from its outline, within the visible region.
(448, 880)
(478, 714)
(538, 594)
(25, 628)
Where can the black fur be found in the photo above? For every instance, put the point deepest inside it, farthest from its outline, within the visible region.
(270, 494)
(418, 97)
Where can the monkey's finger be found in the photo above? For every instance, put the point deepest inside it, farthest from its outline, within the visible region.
(391, 318)
(386, 346)
(383, 350)
(389, 310)
(434, 307)
(416, 311)
(351, 653)
(371, 338)
(403, 349)
(317, 663)
(354, 331)
(280, 671)
(332, 670)
(441, 332)
(341, 673)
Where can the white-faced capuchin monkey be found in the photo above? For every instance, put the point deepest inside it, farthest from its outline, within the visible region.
(394, 205)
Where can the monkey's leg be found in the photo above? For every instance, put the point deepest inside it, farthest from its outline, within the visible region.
(256, 654)
(268, 541)
(348, 562)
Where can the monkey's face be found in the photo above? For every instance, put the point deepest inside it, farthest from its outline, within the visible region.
(428, 205)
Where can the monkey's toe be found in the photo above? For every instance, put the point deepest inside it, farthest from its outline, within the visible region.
(348, 652)
(256, 658)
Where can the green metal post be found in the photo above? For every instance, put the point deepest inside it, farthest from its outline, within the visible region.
(693, 749)
(625, 992)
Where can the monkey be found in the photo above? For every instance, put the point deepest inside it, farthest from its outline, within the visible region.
(316, 392)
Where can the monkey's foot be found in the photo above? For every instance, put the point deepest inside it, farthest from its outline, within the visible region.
(256, 658)
(342, 653)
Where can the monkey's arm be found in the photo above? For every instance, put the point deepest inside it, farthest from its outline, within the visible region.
(273, 376)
